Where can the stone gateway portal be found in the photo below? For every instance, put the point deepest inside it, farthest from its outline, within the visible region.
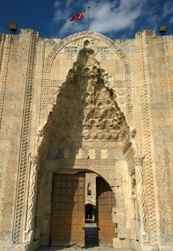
(68, 226)
(86, 142)
(84, 117)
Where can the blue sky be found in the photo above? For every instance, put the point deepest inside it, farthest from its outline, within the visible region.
(114, 18)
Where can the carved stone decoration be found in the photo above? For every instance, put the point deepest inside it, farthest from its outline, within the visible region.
(138, 190)
(3, 75)
(82, 98)
(29, 227)
(83, 36)
(85, 111)
(102, 116)
(140, 197)
(18, 226)
(86, 108)
(64, 53)
(150, 187)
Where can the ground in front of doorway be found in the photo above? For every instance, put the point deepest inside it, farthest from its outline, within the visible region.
(82, 249)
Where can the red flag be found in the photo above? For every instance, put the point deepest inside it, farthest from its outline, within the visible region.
(78, 17)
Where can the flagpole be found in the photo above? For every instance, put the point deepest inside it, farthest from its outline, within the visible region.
(88, 17)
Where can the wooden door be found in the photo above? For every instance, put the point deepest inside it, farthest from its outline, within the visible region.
(105, 202)
(68, 214)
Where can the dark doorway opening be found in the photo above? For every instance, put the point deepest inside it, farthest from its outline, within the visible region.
(90, 213)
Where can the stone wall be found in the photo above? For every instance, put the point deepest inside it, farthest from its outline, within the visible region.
(139, 71)
(16, 98)
(161, 97)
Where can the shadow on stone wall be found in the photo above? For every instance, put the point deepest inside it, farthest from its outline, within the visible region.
(85, 109)
(62, 134)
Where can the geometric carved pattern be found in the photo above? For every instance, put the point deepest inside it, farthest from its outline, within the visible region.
(102, 118)
(5, 48)
(140, 192)
(24, 147)
(70, 46)
(149, 191)
(85, 108)
(29, 226)
(4, 72)
(58, 47)
(49, 92)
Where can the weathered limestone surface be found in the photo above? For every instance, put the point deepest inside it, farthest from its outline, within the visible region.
(139, 73)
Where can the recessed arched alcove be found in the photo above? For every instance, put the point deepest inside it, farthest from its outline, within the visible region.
(86, 131)
(61, 58)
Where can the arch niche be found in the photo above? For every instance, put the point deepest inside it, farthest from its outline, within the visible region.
(64, 52)
(86, 129)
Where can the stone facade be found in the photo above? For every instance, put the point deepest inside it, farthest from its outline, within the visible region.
(126, 136)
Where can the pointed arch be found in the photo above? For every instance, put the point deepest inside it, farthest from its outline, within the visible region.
(86, 34)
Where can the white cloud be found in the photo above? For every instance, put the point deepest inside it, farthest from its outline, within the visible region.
(107, 16)
(60, 13)
(71, 27)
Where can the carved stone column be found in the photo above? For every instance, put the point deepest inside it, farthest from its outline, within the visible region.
(32, 187)
(140, 197)
(120, 214)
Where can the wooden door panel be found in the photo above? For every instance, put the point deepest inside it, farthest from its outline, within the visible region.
(105, 202)
(68, 216)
